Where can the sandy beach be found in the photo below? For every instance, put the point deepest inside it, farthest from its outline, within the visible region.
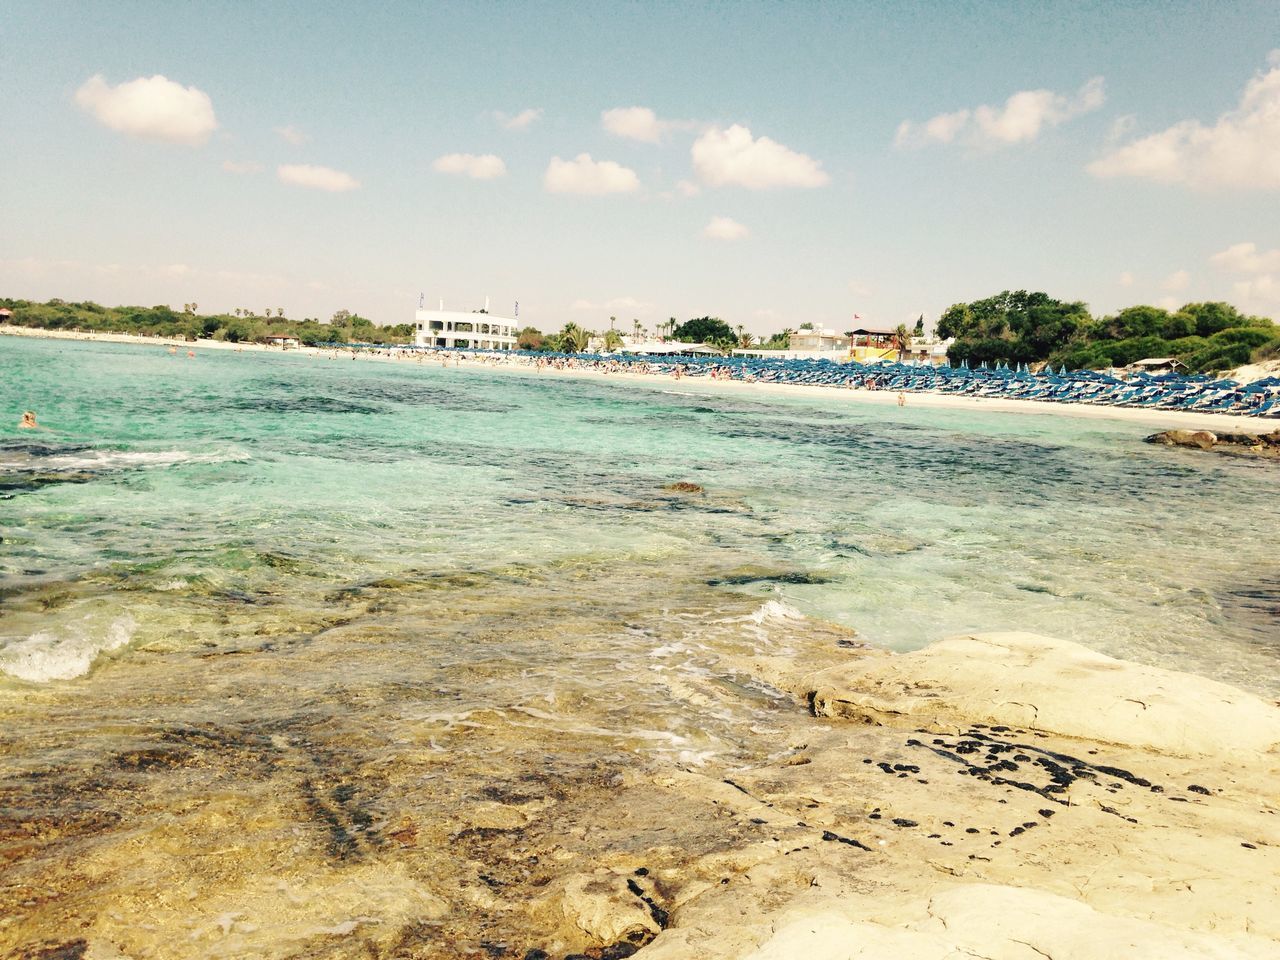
(1156, 419)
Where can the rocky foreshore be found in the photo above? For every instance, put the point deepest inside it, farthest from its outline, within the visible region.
(1006, 796)
(1265, 445)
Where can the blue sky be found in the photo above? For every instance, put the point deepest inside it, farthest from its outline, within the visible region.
(766, 163)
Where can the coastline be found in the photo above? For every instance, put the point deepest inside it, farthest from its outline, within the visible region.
(732, 779)
(1167, 419)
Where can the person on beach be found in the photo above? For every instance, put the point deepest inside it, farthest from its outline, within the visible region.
(902, 399)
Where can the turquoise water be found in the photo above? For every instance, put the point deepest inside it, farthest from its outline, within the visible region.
(311, 600)
(250, 472)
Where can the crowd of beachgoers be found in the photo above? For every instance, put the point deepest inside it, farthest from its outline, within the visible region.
(1199, 393)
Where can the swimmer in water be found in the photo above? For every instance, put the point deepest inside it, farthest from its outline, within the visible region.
(28, 421)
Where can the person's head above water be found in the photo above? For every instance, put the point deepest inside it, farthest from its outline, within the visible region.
(28, 419)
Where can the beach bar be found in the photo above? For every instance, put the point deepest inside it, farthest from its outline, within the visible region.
(446, 329)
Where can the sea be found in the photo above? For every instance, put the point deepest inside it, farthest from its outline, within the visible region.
(296, 650)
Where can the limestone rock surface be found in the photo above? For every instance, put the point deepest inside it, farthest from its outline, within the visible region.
(1040, 683)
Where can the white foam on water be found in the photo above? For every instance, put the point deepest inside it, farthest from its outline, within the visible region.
(66, 652)
(775, 610)
(132, 459)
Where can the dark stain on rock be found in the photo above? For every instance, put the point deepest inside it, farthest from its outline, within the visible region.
(828, 835)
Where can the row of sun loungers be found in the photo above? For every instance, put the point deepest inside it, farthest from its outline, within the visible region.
(1199, 393)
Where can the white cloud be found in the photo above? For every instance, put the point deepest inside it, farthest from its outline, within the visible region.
(1247, 258)
(521, 121)
(943, 128)
(292, 134)
(586, 176)
(1260, 294)
(1259, 289)
(153, 108)
(1126, 279)
(733, 157)
(723, 228)
(483, 167)
(237, 166)
(1240, 149)
(316, 177)
(1021, 118)
(1176, 281)
(1168, 303)
(687, 188)
(633, 123)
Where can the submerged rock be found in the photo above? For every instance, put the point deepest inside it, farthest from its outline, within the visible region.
(684, 486)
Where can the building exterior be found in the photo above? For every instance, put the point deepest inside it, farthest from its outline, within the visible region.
(449, 329)
(928, 350)
(817, 340)
(835, 356)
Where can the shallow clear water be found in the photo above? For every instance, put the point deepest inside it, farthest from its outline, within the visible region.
(339, 596)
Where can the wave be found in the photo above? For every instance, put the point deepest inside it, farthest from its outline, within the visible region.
(64, 653)
(87, 458)
(30, 466)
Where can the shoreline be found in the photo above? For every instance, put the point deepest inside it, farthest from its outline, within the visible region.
(1169, 419)
(311, 773)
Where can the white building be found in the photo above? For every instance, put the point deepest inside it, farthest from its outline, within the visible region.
(813, 339)
(474, 331)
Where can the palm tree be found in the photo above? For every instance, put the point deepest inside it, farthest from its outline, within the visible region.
(612, 340)
(745, 339)
(613, 321)
(574, 338)
(741, 330)
(635, 328)
(902, 340)
(237, 311)
(279, 311)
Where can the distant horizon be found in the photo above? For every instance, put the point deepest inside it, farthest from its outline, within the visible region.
(786, 164)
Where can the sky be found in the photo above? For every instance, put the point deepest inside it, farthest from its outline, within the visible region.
(767, 163)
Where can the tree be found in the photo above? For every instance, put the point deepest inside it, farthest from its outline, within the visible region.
(574, 338)
(279, 311)
(703, 330)
(340, 318)
(530, 338)
(746, 340)
(635, 329)
(612, 340)
(1014, 327)
(237, 311)
(919, 330)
